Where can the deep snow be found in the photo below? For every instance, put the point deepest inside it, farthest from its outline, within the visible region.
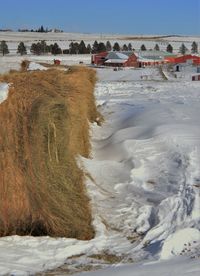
(145, 193)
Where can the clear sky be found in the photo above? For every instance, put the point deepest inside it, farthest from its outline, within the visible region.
(104, 16)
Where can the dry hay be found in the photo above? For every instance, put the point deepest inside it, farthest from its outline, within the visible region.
(44, 126)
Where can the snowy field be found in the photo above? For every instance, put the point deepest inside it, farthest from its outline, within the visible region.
(146, 190)
(13, 62)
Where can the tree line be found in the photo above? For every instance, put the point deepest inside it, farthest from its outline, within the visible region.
(41, 47)
(41, 29)
(182, 50)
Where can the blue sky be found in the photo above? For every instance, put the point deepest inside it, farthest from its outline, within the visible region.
(104, 16)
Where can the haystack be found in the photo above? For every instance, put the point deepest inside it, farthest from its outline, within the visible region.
(44, 126)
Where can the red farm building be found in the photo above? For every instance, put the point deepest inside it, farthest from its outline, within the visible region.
(153, 57)
(115, 59)
(99, 59)
(183, 59)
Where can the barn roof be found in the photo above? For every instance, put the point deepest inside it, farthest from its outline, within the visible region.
(117, 55)
(153, 54)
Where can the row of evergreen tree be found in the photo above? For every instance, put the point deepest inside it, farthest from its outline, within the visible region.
(41, 47)
(183, 49)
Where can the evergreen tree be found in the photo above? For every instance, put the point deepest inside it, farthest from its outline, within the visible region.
(183, 49)
(41, 29)
(130, 47)
(56, 50)
(157, 48)
(89, 49)
(74, 48)
(108, 46)
(169, 48)
(71, 48)
(44, 48)
(95, 47)
(36, 48)
(82, 48)
(101, 47)
(21, 49)
(125, 47)
(116, 47)
(33, 48)
(48, 48)
(66, 51)
(4, 48)
(143, 48)
(194, 49)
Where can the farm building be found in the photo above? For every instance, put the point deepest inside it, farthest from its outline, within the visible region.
(196, 77)
(115, 59)
(99, 59)
(152, 57)
(184, 59)
(141, 58)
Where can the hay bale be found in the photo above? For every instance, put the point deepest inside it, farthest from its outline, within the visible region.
(44, 126)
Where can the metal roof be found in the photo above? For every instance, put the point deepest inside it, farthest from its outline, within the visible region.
(117, 55)
(154, 54)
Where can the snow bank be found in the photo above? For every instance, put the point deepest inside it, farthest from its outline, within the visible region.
(28, 255)
(181, 242)
(4, 88)
(35, 66)
(179, 267)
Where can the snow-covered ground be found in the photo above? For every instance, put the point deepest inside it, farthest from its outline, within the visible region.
(13, 62)
(179, 267)
(64, 39)
(146, 164)
(146, 190)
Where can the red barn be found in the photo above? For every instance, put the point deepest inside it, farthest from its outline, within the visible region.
(132, 61)
(116, 59)
(99, 59)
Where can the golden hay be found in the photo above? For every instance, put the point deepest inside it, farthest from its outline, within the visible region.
(44, 126)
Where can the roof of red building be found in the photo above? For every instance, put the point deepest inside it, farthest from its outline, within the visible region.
(183, 59)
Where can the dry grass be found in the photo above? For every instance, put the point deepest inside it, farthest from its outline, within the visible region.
(68, 270)
(44, 126)
(108, 258)
(24, 65)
